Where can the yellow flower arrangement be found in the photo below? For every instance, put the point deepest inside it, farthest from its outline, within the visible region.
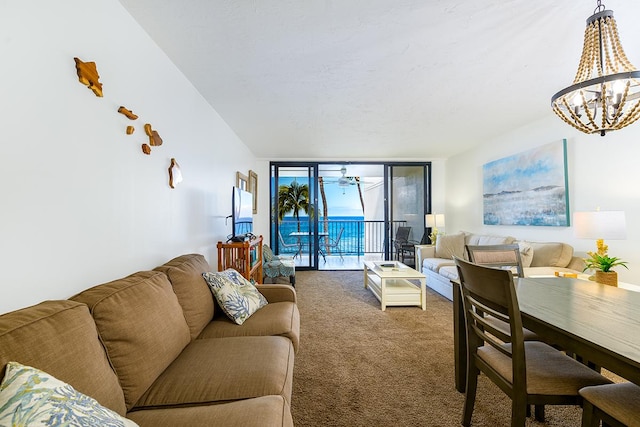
(601, 260)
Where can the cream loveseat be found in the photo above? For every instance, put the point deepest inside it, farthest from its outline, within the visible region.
(538, 258)
(153, 347)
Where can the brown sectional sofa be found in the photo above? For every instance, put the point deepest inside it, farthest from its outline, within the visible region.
(154, 347)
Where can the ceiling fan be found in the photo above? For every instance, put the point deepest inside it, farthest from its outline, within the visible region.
(343, 181)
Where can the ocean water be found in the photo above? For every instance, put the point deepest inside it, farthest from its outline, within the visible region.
(351, 241)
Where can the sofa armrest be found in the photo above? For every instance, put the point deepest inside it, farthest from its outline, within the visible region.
(422, 252)
(278, 293)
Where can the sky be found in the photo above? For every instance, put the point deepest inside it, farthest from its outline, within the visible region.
(339, 204)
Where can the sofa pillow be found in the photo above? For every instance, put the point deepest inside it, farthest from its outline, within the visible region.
(551, 254)
(29, 396)
(450, 245)
(238, 297)
(526, 253)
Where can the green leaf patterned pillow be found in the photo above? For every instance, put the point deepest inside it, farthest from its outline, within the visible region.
(237, 297)
(29, 396)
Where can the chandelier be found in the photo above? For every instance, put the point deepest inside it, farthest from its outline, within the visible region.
(605, 94)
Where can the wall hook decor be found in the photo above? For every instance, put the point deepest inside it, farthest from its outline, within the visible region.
(175, 175)
(88, 75)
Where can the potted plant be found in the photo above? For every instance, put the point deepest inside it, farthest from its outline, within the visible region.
(602, 263)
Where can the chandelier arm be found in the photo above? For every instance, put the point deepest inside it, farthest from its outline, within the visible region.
(578, 125)
(632, 115)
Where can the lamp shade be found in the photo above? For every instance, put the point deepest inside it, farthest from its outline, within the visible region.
(600, 225)
(434, 220)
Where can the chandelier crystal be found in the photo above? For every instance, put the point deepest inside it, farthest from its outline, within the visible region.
(605, 94)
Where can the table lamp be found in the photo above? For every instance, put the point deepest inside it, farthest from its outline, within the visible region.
(434, 221)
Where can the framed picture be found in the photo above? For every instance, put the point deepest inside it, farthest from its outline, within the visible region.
(242, 181)
(529, 188)
(253, 189)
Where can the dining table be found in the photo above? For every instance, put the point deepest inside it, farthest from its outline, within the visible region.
(598, 323)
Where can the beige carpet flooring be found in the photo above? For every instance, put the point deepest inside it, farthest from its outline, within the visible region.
(360, 366)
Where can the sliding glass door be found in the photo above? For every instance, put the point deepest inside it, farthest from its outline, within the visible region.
(336, 215)
(409, 201)
(294, 212)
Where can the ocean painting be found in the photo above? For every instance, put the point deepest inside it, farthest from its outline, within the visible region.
(529, 188)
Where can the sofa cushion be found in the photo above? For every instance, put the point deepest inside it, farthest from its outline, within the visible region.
(450, 245)
(35, 397)
(279, 318)
(217, 370)
(237, 297)
(60, 337)
(449, 272)
(551, 254)
(257, 412)
(142, 326)
(435, 264)
(194, 295)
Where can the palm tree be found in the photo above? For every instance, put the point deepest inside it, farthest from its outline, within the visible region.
(294, 198)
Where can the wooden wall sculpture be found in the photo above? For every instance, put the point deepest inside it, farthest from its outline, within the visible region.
(88, 75)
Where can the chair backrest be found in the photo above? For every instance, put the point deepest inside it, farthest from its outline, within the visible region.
(498, 256)
(282, 242)
(339, 236)
(490, 291)
(267, 253)
(402, 234)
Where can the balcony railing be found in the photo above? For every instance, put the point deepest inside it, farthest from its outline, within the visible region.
(358, 237)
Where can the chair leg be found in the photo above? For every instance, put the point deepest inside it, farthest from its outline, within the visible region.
(470, 395)
(588, 419)
(539, 411)
(519, 411)
(292, 280)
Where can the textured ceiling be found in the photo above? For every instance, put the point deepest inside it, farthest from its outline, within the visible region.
(376, 79)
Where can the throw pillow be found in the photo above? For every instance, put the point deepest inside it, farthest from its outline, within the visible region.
(450, 245)
(526, 253)
(237, 297)
(29, 396)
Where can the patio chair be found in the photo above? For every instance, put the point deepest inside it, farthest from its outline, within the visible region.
(274, 266)
(333, 245)
(297, 246)
(401, 241)
(545, 376)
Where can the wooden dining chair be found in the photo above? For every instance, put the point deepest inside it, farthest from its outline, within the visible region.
(616, 405)
(529, 372)
(498, 256)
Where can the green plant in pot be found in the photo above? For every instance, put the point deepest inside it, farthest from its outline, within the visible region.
(602, 263)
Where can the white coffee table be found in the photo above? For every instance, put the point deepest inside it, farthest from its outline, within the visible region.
(396, 284)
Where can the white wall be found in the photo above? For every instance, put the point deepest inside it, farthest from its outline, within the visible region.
(81, 204)
(603, 172)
